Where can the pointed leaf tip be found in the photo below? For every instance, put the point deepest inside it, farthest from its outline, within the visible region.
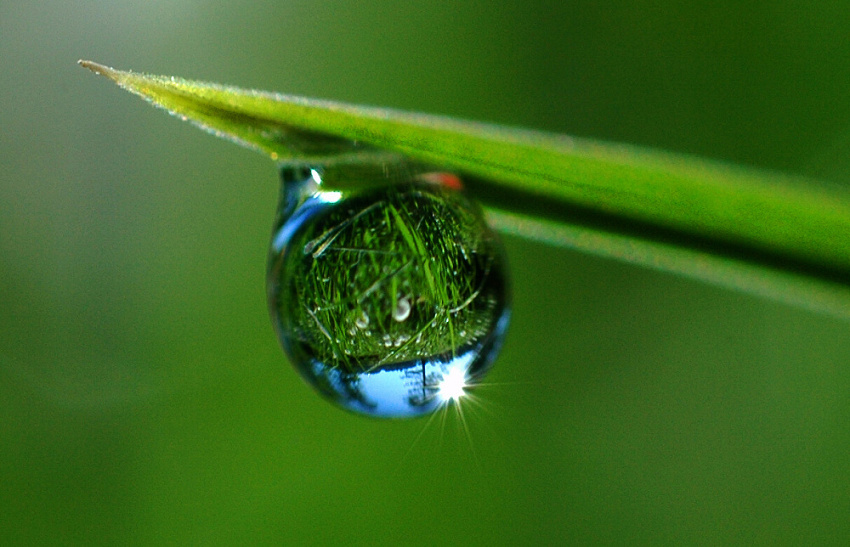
(97, 68)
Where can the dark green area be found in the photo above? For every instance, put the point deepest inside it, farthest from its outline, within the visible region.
(143, 395)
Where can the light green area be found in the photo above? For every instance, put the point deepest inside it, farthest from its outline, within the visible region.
(143, 396)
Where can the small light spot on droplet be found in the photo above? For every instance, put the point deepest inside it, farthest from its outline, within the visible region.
(363, 321)
(453, 384)
(402, 309)
(388, 341)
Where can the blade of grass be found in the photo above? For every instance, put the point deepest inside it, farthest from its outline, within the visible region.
(770, 234)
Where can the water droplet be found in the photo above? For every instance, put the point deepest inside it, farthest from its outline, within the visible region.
(362, 321)
(402, 309)
(413, 261)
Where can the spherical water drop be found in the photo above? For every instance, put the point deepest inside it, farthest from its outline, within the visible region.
(414, 262)
(402, 309)
(362, 320)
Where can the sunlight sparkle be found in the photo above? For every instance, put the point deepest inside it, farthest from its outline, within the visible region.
(453, 384)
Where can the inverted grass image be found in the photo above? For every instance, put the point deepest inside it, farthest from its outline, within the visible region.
(778, 236)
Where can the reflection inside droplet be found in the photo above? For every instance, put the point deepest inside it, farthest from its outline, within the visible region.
(390, 301)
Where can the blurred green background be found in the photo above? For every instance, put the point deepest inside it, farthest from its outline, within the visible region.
(143, 397)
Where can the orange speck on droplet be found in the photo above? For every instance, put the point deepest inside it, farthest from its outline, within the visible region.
(446, 180)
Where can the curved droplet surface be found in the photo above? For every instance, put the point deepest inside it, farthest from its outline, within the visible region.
(389, 301)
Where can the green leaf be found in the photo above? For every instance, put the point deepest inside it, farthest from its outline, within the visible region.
(780, 236)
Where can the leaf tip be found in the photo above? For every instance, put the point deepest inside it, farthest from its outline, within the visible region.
(97, 68)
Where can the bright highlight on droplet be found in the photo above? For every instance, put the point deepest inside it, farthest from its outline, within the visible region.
(453, 385)
(331, 197)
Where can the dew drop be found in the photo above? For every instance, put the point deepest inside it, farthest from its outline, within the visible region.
(339, 262)
(402, 310)
(362, 321)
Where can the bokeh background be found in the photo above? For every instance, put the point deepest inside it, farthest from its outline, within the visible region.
(143, 397)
